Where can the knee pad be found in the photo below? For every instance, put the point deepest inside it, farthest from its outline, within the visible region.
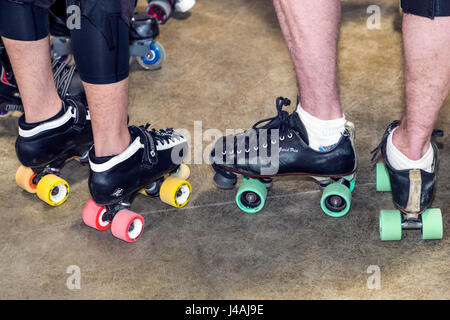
(101, 45)
(25, 20)
(427, 8)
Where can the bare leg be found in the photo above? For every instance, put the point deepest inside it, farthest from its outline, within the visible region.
(108, 105)
(33, 72)
(311, 30)
(427, 76)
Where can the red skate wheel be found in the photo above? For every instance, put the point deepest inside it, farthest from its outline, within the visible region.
(93, 216)
(127, 225)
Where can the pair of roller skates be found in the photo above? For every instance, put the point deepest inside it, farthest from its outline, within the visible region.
(412, 192)
(151, 165)
(162, 10)
(278, 146)
(144, 48)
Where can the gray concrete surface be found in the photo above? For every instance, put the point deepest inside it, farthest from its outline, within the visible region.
(226, 65)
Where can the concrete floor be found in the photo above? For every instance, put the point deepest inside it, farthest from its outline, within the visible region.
(226, 64)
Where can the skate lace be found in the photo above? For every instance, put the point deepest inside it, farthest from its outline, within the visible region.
(390, 128)
(63, 74)
(280, 121)
(149, 137)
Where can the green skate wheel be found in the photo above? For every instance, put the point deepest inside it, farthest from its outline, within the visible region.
(251, 196)
(383, 180)
(432, 227)
(336, 200)
(390, 225)
(352, 183)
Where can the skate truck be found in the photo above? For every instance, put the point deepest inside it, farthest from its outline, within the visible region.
(285, 138)
(412, 193)
(149, 53)
(162, 10)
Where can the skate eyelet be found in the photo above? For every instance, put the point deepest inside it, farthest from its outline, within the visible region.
(256, 148)
(239, 151)
(289, 135)
(247, 150)
(273, 141)
(265, 145)
(282, 138)
(152, 153)
(224, 152)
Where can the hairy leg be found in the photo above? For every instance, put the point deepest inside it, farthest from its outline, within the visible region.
(33, 72)
(427, 76)
(108, 106)
(311, 30)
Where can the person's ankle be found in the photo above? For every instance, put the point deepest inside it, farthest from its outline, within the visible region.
(35, 114)
(413, 148)
(112, 146)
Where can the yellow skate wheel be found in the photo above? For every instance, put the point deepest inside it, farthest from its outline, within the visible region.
(24, 179)
(183, 172)
(52, 190)
(175, 192)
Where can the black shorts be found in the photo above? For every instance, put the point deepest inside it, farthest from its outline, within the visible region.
(100, 44)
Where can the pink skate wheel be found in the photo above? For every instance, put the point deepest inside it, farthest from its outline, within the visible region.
(93, 216)
(127, 225)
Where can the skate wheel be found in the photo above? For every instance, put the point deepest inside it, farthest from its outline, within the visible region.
(52, 189)
(161, 10)
(251, 196)
(155, 58)
(183, 172)
(390, 225)
(175, 192)
(432, 227)
(93, 216)
(383, 180)
(352, 183)
(25, 179)
(127, 225)
(336, 200)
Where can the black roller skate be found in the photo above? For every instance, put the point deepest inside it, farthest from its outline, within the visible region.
(162, 10)
(412, 192)
(280, 148)
(149, 53)
(151, 165)
(43, 149)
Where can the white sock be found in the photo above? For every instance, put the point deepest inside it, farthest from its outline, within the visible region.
(401, 162)
(322, 134)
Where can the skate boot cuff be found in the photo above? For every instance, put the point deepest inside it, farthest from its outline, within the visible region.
(27, 126)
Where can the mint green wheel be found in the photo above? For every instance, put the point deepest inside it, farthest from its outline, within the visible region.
(432, 227)
(352, 183)
(390, 225)
(336, 200)
(251, 195)
(383, 180)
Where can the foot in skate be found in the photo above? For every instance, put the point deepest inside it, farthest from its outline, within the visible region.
(412, 193)
(279, 146)
(151, 165)
(43, 148)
